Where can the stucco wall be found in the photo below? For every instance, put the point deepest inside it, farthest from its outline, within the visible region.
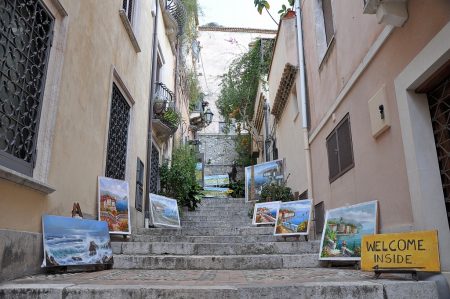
(96, 41)
(379, 172)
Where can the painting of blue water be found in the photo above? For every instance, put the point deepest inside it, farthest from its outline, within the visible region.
(259, 175)
(265, 212)
(164, 211)
(293, 218)
(75, 242)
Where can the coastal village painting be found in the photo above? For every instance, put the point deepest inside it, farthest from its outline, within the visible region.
(114, 206)
(344, 228)
(164, 211)
(265, 212)
(75, 242)
(259, 175)
(293, 218)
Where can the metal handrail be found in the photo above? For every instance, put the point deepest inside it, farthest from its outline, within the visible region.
(178, 12)
(164, 92)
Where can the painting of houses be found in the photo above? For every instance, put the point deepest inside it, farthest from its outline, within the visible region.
(114, 206)
(164, 211)
(259, 175)
(75, 242)
(293, 218)
(265, 212)
(344, 228)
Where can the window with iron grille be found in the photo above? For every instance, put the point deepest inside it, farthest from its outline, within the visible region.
(116, 158)
(139, 185)
(25, 40)
(340, 149)
(128, 8)
(328, 20)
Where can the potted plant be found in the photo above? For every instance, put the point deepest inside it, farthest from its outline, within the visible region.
(287, 13)
(171, 117)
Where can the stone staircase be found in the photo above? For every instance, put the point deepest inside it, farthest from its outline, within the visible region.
(217, 254)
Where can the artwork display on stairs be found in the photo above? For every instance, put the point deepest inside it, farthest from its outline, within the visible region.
(293, 218)
(218, 180)
(216, 192)
(75, 242)
(265, 212)
(344, 228)
(164, 211)
(259, 175)
(114, 205)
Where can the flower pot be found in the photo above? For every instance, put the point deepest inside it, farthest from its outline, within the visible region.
(290, 14)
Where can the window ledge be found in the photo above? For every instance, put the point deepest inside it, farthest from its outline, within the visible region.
(327, 53)
(21, 179)
(129, 29)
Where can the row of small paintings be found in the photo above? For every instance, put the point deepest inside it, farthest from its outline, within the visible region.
(343, 228)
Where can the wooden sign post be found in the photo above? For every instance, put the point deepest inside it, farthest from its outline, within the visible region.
(401, 252)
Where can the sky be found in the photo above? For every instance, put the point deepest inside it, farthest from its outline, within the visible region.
(239, 13)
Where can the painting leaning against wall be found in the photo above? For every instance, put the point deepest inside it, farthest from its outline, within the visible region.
(164, 211)
(114, 205)
(293, 218)
(259, 175)
(344, 228)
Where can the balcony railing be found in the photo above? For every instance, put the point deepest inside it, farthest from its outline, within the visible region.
(178, 12)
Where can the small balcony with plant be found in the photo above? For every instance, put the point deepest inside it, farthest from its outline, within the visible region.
(166, 118)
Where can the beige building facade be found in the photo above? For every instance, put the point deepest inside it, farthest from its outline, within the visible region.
(92, 114)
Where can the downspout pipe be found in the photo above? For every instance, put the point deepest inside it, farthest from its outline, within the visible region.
(301, 93)
(150, 113)
(266, 130)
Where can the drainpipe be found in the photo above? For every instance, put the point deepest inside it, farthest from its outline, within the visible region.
(266, 130)
(302, 90)
(150, 114)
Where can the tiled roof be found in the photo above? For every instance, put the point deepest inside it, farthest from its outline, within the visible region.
(284, 88)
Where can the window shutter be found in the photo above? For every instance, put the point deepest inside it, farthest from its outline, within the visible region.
(139, 184)
(345, 145)
(333, 155)
(328, 19)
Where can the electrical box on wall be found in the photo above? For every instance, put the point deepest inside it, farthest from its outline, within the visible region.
(379, 113)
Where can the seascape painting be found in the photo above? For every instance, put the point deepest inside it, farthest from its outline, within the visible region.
(257, 176)
(164, 211)
(199, 173)
(344, 228)
(265, 212)
(217, 180)
(293, 218)
(75, 242)
(114, 205)
(216, 192)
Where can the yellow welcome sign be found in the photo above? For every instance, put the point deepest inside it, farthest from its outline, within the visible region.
(404, 251)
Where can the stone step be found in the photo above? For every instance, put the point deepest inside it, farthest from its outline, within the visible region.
(218, 284)
(207, 218)
(241, 231)
(147, 248)
(219, 224)
(216, 262)
(214, 214)
(230, 200)
(210, 239)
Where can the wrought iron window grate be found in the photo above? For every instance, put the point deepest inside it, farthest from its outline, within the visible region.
(116, 159)
(128, 6)
(25, 40)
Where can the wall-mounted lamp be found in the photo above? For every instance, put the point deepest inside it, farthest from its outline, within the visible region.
(208, 116)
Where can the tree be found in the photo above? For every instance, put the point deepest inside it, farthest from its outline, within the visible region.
(264, 5)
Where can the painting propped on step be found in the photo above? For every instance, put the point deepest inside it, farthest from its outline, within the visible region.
(293, 218)
(344, 228)
(75, 242)
(114, 205)
(164, 211)
(259, 175)
(265, 212)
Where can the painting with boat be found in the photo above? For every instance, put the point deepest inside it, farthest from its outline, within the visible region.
(293, 218)
(164, 211)
(75, 242)
(344, 228)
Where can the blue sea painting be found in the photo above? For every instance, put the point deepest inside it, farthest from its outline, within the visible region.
(293, 218)
(164, 211)
(75, 242)
(259, 175)
(265, 212)
(344, 228)
(113, 197)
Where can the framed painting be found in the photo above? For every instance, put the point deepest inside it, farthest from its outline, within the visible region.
(164, 211)
(75, 242)
(293, 218)
(216, 192)
(344, 228)
(114, 205)
(259, 175)
(217, 180)
(265, 212)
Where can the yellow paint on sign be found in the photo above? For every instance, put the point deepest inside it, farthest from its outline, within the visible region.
(415, 250)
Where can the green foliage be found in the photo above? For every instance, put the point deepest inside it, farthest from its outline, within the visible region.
(274, 192)
(261, 4)
(171, 117)
(284, 9)
(243, 150)
(240, 83)
(194, 88)
(178, 181)
(238, 189)
(190, 29)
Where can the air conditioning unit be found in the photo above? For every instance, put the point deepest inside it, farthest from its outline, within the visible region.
(371, 6)
(389, 12)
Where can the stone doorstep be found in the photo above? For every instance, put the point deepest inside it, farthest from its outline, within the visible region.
(138, 248)
(206, 231)
(215, 262)
(211, 239)
(290, 283)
